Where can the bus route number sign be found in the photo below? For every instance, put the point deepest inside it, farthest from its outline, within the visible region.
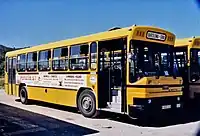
(156, 36)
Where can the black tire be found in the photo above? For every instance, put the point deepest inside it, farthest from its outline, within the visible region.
(87, 104)
(23, 95)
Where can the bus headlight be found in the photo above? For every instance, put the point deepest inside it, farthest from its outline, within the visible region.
(149, 101)
(178, 98)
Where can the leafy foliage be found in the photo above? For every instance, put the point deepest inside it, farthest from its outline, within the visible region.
(3, 50)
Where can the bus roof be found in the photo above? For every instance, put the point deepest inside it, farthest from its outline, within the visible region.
(184, 42)
(113, 34)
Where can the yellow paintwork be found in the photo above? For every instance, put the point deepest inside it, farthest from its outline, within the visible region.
(124, 32)
(154, 92)
(144, 30)
(68, 97)
(193, 42)
(190, 43)
(56, 95)
(9, 91)
(161, 81)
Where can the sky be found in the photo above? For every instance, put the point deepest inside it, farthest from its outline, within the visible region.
(32, 22)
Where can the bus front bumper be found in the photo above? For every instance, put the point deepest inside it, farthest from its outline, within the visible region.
(154, 106)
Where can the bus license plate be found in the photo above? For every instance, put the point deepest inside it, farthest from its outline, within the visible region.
(166, 107)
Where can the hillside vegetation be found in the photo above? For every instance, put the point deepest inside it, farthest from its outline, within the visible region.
(3, 50)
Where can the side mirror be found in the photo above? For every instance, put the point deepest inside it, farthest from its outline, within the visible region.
(194, 78)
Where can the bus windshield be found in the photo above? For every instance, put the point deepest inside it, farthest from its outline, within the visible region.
(195, 61)
(151, 59)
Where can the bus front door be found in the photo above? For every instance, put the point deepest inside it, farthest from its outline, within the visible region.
(12, 76)
(111, 79)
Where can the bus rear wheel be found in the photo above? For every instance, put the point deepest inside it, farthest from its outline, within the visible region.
(87, 104)
(23, 95)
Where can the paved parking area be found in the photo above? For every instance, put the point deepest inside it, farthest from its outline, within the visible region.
(46, 119)
(14, 121)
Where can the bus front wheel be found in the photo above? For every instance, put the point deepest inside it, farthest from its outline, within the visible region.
(87, 104)
(23, 95)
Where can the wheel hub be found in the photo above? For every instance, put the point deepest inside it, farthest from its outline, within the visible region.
(87, 103)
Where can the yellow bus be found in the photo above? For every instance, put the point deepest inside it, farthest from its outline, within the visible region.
(77, 73)
(188, 61)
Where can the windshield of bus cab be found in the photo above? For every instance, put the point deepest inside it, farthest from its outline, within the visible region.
(195, 61)
(150, 59)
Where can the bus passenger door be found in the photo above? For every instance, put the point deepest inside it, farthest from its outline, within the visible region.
(12, 76)
(111, 76)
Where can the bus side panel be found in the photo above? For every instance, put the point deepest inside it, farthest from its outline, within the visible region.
(42, 94)
(14, 89)
(92, 83)
(66, 97)
(9, 89)
(17, 90)
(53, 95)
(36, 93)
(6, 83)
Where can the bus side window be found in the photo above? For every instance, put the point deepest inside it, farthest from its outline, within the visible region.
(60, 59)
(79, 57)
(31, 64)
(93, 55)
(21, 63)
(44, 60)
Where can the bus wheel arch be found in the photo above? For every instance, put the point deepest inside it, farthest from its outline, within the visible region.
(20, 86)
(86, 102)
(23, 93)
(80, 90)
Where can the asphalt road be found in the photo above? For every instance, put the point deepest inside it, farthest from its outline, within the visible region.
(43, 119)
(14, 121)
